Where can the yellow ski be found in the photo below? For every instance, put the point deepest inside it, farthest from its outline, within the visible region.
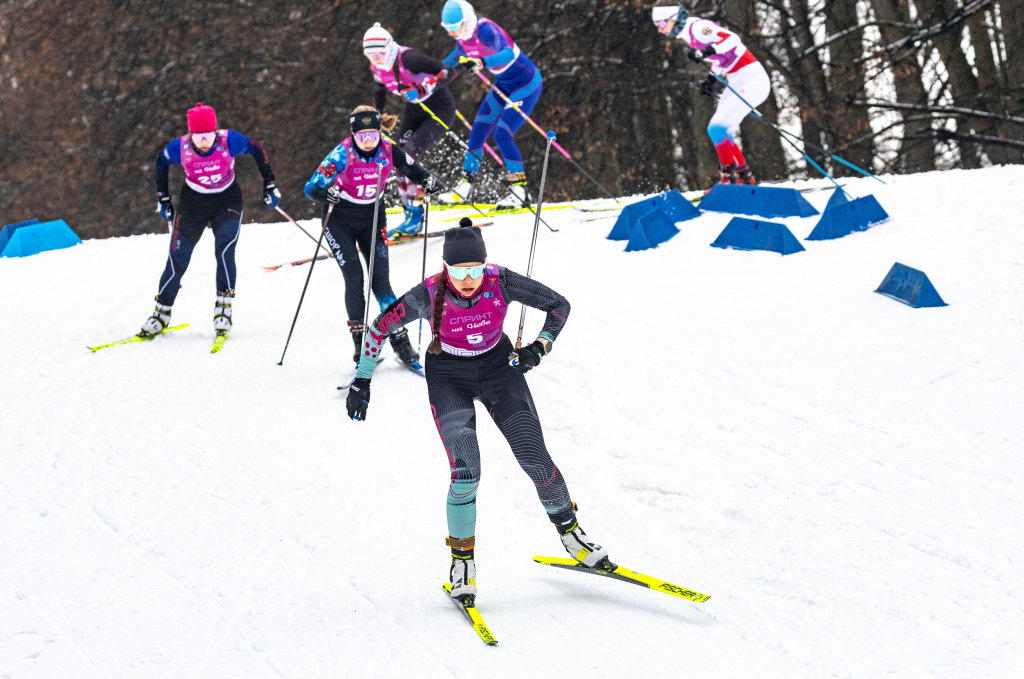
(222, 336)
(626, 575)
(473, 615)
(135, 338)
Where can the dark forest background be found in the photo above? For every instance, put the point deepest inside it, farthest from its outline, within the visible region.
(91, 90)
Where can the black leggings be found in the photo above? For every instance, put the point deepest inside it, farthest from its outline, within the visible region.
(223, 212)
(419, 131)
(351, 225)
(453, 383)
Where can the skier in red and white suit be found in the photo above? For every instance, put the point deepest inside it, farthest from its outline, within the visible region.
(728, 58)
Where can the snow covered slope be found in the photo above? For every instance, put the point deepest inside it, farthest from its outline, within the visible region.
(841, 473)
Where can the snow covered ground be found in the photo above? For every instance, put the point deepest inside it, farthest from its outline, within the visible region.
(841, 473)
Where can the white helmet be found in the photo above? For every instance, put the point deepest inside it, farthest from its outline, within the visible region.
(377, 38)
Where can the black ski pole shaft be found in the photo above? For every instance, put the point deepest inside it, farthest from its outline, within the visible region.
(372, 254)
(302, 229)
(536, 228)
(592, 180)
(308, 276)
(423, 272)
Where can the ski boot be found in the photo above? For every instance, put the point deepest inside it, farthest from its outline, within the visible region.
(728, 174)
(462, 192)
(406, 354)
(356, 328)
(158, 322)
(583, 549)
(462, 574)
(745, 176)
(222, 313)
(411, 225)
(517, 196)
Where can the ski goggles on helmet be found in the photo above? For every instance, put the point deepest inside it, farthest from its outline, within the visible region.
(662, 15)
(204, 137)
(462, 272)
(367, 136)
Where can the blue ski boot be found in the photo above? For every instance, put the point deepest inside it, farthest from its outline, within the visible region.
(412, 223)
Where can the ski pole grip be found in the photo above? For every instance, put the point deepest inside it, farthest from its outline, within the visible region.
(551, 136)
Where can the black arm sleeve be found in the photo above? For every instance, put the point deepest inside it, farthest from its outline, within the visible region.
(411, 306)
(380, 96)
(416, 61)
(516, 288)
(413, 171)
(257, 151)
(163, 173)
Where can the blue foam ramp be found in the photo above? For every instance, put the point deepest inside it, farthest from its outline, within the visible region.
(765, 201)
(36, 238)
(843, 216)
(650, 230)
(910, 286)
(672, 203)
(8, 231)
(751, 234)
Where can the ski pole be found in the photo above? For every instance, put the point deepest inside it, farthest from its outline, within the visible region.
(301, 229)
(785, 135)
(536, 227)
(423, 273)
(372, 254)
(308, 276)
(537, 127)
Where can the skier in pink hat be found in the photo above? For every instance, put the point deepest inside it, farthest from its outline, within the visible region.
(210, 196)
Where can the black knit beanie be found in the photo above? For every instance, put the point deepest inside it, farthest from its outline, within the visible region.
(464, 244)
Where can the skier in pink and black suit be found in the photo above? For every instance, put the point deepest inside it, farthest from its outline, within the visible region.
(211, 196)
(471, 359)
(348, 179)
(417, 78)
(730, 59)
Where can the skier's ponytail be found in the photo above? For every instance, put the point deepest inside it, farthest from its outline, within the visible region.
(388, 121)
(442, 290)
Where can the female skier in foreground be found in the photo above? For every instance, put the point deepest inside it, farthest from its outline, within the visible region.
(469, 359)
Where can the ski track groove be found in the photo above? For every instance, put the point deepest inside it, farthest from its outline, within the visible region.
(57, 627)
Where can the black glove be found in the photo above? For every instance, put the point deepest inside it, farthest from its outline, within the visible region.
(333, 195)
(702, 54)
(431, 185)
(164, 207)
(528, 357)
(271, 196)
(358, 399)
(707, 88)
(471, 64)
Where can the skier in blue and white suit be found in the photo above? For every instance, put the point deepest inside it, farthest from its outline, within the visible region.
(486, 45)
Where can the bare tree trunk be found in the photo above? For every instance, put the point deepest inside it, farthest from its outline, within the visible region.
(917, 149)
(762, 145)
(809, 85)
(1012, 18)
(988, 83)
(962, 83)
(852, 128)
